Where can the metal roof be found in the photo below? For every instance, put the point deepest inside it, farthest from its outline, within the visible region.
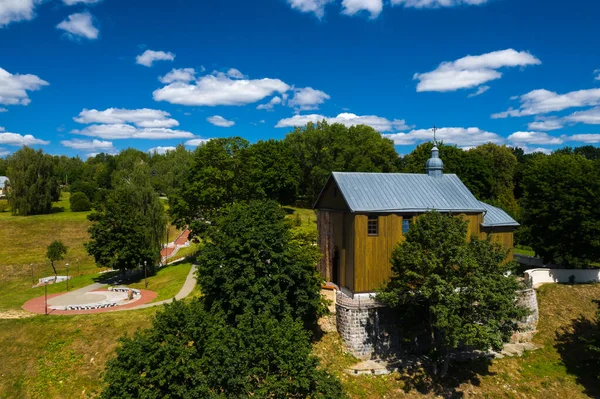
(3, 181)
(496, 217)
(405, 192)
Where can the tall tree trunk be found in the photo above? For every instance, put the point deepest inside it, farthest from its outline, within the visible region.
(53, 268)
(445, 364)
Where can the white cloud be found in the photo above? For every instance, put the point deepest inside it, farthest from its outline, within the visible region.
(161, 150)
(145, 117)
(315, 6)
(89, 145)
(529, 150)
(376, 122)
(464, 137)
(546, 124)
(16, 139)
(219, 89)
(122, 131)
(4, 152)
(589, 117)
(269, 106)
(543, 101)
(480, 91)
(307, 99)
(179, 75)
(196, 142)
(524, 138)
(597, 74)
(14, 88)
(73, 2)
(351, 7)
(437, 3)
(149, 56)
(235, 74)
(472, 71)
(585, 138)
(79, 25)
(218, 120)
(16, 10)
(3, 110)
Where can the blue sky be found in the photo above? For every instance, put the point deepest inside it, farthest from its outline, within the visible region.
(84, 76)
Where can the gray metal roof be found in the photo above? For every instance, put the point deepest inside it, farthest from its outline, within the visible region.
(3, 181)
(496, 217)
(405, 192)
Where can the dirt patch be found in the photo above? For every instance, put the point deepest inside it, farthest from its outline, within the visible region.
(15, 314)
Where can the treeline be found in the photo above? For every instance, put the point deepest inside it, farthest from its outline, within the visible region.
(540, 191)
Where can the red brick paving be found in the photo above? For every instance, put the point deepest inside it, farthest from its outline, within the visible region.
(181, 240)
(36, 305)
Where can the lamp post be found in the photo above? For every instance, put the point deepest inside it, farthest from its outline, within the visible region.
(32, 278)
(45, 298)
(67, 277)
(145, 275)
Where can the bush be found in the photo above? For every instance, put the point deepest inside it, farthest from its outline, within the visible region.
(191, 352)
(3, 205)
(80, 202)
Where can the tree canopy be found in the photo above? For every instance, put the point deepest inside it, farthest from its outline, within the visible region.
(451, 290)
(56, 251)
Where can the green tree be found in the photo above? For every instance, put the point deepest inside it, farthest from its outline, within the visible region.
(56, 251)
(323, 148)
(193, 353)
(129, 226)
(80, 202)
(453, 289)
(560, 208)
(33, 186)
(250, 261)
(218, 177)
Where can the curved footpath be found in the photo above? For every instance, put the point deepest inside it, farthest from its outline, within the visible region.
(36, 305)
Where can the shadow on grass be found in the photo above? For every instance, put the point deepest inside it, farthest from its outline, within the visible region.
(57, 209)
(460, 372)
(120, 277)
(579, 348)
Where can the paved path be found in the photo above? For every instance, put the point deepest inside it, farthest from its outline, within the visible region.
(188, 287)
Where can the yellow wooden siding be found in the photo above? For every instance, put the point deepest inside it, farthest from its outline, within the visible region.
(349, 274)
(504, 237)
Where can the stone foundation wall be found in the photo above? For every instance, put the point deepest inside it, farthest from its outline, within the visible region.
(527, 326)
(363, 324)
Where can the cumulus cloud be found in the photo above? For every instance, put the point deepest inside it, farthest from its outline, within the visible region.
(14, 88)
(543, 101)
(145, 117)
(530, 150)
(161, 150)
(373, 7)
(235, 74)
(538, 138)
(437, 3)
(589, 138)
(218, 120)
(196, 142)
(269, 106)
(179, 75)
(89, 145)
(480, 91)
(79, 26)
(464, 137)
(3, 110)
(149, 56)
(219, 89)
(472, 71)
(16, 139)
(123, 131)
(597, 74)
(307, 99)
(4, 152)
(546, 124)
(315, 6)
(589, 117)
(376, 122)
(73, 2)
(16, 10)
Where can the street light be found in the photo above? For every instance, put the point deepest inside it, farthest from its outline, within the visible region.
(45, 298)
(67, 277)
(145, 275)
(32, 279)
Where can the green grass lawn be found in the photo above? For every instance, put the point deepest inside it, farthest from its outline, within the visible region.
(167, 281)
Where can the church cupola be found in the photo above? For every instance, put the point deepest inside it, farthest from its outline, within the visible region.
(435, 166)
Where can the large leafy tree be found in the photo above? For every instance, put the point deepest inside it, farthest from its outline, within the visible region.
(250, 261)
(323, 148)
(451, 290)
(560, 208)
(32, 182)
(193, 353)
(128, 227)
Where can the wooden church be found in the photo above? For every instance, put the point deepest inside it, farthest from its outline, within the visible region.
(362, 216)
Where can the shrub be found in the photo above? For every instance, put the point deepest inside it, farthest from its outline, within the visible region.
(80, 202)
(3, 205)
